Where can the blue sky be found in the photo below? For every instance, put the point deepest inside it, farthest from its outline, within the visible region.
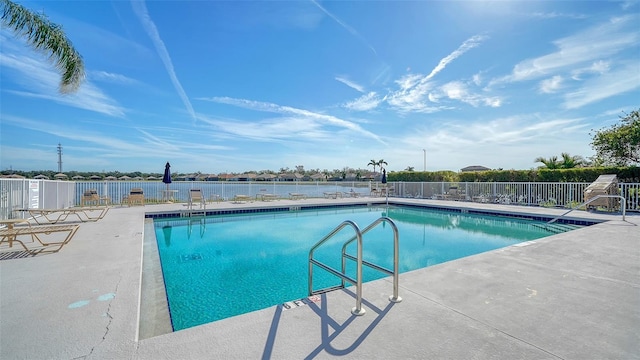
(226, 86)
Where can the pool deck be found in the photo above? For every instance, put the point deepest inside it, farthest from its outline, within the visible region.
(574, 295)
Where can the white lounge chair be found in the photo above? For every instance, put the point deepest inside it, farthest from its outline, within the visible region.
(38, 233)
(196, 198)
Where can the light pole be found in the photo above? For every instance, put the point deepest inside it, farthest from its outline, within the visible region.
(425, 159)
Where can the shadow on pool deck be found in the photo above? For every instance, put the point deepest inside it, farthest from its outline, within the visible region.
(574, 295)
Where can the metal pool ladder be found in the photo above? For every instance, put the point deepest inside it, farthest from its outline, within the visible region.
(623, 206)
(358, 310)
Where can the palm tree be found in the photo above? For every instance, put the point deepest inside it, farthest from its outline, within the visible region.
(409, 168)
(550, 163)
(43, 35)
(380, 162)
(374, 163)
(570, 162)
(567, 161)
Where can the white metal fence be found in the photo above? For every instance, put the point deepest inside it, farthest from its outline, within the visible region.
(25, 193)
(521, 193)
(51, 194)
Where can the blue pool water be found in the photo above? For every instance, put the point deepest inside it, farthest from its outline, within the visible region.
(218, 267)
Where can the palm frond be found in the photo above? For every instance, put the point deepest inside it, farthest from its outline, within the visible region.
(45, 36)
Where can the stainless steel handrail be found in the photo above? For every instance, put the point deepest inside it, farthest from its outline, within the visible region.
(624, 206)
(396, 256)
(358, 310)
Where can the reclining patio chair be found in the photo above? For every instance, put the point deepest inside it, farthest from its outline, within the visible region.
(195, 197)
(90, 197)
(39, 233)
(136, 196)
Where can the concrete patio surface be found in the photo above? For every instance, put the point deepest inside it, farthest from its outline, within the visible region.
(574, 295)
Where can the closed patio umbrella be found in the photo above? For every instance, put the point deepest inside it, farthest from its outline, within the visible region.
(384, 181)
(166, 178)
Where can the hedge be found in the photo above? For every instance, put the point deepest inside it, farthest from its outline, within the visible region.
(630, 174)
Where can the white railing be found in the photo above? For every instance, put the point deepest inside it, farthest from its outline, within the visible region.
(218, 190)
(53, 194)
(564, 195)
(541, 194)
(27, 193)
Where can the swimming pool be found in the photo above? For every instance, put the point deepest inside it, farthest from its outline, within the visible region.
(222, 266)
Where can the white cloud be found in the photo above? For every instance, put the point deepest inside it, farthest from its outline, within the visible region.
(551, 85)
(417, 92)
(433, 97)
(469, 44)
(365, 102)
(95, 138)
(554, 15)
(408, 81)
(610, 84)
(293, 129)
(457, 90)
(477, 79)
(413, 99)
(140, 9)
(41, 80)
(597, 67)
(111, 77)
(109, 151)
(494, 143)
(350, 84)
(516, 129)
(588, 46)
(294, 112)
(351, 30)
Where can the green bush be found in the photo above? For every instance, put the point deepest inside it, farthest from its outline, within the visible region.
(630, 174)
(429, 176)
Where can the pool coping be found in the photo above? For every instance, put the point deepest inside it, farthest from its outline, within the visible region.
(527, 215)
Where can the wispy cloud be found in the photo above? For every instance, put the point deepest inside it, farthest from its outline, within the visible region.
(551, 85)
(111, 78)
(624, 79)
(413, 96)
(41, 81)
(108, 150)
(350, 83)
(469, 44)
(555, 15)
(140, 9)
(417, 92)
(365, 102)
(515, 129)
(84, 136)
(294, 113)
(477, 142)
(598, 67)
(590, 45)
(458, 90)
(626, 5)
(477, 79)
(351, 30)
(279, 130)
